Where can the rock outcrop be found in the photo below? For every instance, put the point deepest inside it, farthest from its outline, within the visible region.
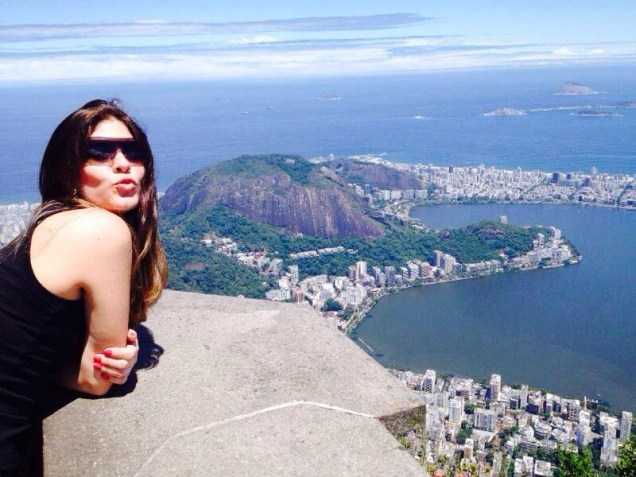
(285, 191)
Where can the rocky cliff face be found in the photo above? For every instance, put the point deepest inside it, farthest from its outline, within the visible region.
(265, 189)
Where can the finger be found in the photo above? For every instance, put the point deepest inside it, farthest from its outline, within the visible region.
(120, 364)
(129, 352)
(111, 374)
(115, 380)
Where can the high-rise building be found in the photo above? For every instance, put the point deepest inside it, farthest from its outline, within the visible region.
(437, 258)
(574, 409)
(456, 410)
(485, 419)
(361, 269)
(524, 396)
(583, 435)
(447, 263)
(425, 270)
(428, 381)
(556, 233)
(414, 270)
(389, 271)
(441, 400)
(626, 426)
(495, 387)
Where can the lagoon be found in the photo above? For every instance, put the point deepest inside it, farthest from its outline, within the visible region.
(570, 330)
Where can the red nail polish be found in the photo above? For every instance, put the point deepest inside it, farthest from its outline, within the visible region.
(97, 359)
(105, 376)
(108, 353)
(97, 366)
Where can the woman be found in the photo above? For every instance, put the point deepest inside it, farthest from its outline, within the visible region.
(87, 267)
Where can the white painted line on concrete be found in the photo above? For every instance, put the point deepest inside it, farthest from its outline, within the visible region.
(243, 417)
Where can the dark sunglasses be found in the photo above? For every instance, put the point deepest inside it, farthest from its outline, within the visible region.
(106, 149)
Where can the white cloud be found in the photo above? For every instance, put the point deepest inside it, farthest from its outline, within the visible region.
(152, 48)
(255, 40)
(419, 42)
(563, 51)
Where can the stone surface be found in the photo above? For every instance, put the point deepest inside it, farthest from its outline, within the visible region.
(241, 387)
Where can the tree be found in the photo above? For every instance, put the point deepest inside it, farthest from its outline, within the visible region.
(571, 464)
(626, 465)
(332, 305)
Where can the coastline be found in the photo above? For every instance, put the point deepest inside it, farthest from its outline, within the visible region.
(546, 321)
(359, 315)
(357, 319)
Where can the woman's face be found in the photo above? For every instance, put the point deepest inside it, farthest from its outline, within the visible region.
(111, 175)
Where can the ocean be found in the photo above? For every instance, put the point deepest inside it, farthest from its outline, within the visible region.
(434, 118)
(576, 346)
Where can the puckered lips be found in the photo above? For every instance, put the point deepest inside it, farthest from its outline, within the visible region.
(126, 186)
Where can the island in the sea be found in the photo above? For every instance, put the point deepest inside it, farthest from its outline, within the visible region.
(501, 112)
(596, 114)
(571, 88)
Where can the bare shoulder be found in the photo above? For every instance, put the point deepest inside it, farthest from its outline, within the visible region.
(72, 250)
(96, 228)
(82, 230)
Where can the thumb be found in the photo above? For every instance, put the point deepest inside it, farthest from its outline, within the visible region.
(132, 336)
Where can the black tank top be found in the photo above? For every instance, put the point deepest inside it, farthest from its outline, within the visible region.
(39, 332)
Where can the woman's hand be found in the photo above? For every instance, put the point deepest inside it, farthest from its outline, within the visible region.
(115, 364)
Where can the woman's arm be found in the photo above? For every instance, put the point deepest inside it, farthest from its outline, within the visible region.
(100, 265)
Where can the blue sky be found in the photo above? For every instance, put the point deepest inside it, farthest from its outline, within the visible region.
(47, 40)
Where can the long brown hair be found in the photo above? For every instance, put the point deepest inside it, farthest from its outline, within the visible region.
(59, 186)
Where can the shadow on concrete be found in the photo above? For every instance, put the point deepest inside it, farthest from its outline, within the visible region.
(148, 357)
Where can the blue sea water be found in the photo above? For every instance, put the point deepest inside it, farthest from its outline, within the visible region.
(192, 124)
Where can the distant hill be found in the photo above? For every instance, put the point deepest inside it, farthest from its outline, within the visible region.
(281, 205)
(375, 175)
(280, 190)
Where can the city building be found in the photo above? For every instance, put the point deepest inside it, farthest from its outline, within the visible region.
(485, 420)
(456, 410)
(361, 270)
(428, 382)
(626, 426)
(574, 408)
(495, 387)
(523, 398)
(469, 445)
(389, 271)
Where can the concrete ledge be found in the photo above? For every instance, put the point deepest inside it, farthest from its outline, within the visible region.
(243, 387)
